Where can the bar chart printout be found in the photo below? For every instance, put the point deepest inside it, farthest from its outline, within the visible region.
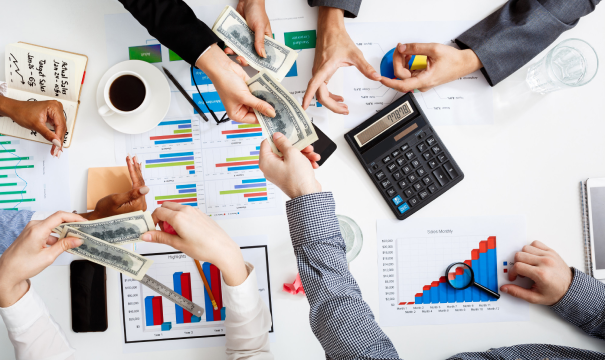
(414, 256)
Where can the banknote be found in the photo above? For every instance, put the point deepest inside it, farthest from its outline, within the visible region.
(106, 254)
(290, 119)
(234, 31)
(119, 229)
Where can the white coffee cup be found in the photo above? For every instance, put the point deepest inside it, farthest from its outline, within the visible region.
(108, 109)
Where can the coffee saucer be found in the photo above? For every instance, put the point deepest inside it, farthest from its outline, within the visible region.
(158, 107)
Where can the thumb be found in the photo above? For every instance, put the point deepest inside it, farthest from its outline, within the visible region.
(365, 68)
(521, 293)
(259, 41)
(282, 143)
(259, 105)
(161, 237)
(46, 133)
(62, 245)
(131, 195)
(417, 49)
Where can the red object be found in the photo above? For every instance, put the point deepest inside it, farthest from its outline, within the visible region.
(178, 200)
(418, 295)
(459, 271)
(468, 262)
(491, 242)
(296, 287)
(435, 284)
(411, 303)
(83, 76)
(166, 227)
(158, 314)
(475, 254)
(240, 131)
(190, 167)
(402, 303)
(250, 162)
(255, 194)
(483, 246)
(505, 270)
(177, 136)
(426, 287)
(215, 285)
(186, 292)
(442, 279)
(451, 276)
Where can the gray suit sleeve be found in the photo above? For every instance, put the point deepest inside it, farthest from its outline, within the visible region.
(514, 34)
(351, 7)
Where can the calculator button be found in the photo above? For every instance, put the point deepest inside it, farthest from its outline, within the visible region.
(433, 164)
(441, 158)
(391, 192)
(403, 184)
(441, 177)
(408, 192)
(426, 180)
(386, 159)
(400, 161)
(423, 194)
(415, 163)
(431, 141)
(397, 175)
(414, 201)
(375, 167)
(432, 188)
(380, 175)
(421, 147)
(417, 186)
(427, 155)
(397, 200)
(406, 169)
(450, 170)
(395, 153)
(421, 172)
(385, 184)
(410, 155)
(436, 149)
(412, 178)
(405, 147)
(392, 167)
(403, 207)
(421, 136)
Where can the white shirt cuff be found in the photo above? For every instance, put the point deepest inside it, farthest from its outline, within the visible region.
(40, 215)
(4, 88)
(203, 52)
(243, 298)
(22, 315)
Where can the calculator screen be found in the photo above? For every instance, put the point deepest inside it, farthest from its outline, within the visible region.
(381, 125)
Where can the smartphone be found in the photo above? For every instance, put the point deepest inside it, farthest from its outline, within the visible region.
(595, 189)
(324, 146)
(88, 296)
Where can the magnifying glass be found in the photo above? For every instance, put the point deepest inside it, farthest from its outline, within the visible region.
(461, 276)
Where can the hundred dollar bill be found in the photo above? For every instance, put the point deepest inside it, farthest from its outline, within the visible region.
(103, 253)
(234, 31)
(290, 119)
(117, 230)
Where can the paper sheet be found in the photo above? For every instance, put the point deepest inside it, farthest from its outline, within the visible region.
(414, 254)
(105, 181)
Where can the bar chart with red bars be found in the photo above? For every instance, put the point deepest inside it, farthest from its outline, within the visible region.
(483, 261)
(177, 134)
(230, 133)
(231, 162)
(176, 166)
(182, 286)
(191, 194)
(213, 276)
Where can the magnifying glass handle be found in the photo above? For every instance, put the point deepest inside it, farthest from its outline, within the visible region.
(492, 293)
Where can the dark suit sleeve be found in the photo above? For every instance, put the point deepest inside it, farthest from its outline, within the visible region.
(514, 34)
(175, 25)
(351, 7)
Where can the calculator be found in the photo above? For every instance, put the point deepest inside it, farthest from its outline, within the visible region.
(404, 156)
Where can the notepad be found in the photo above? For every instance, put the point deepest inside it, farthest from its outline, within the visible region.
(37, 73)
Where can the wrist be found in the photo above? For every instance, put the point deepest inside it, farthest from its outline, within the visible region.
(10, 293)
(472, 61)
(233, 268)
(307, 190)
(212, 60)
(7, 106)
(330, 19)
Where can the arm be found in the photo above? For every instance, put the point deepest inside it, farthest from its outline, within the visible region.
(175, 25)
(350, 7)
(514, 34)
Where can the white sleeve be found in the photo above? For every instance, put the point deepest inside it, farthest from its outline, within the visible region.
(4, 87)
(247, 320)
(33, 332)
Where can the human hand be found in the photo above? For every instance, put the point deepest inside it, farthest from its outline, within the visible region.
(229, 79)
(444, 64)
(29, 255)
(335, 49)
(34, 115)
(292, 173)
(133, 200)
(200, 238)
(551, 275)
(256, 17)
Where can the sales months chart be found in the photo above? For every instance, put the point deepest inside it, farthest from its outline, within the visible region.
(413, 258)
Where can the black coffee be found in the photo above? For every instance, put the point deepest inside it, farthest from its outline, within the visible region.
(127, 92)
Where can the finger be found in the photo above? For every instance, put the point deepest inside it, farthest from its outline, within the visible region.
(337, 98)
(129, 196)
(323, 96)
(266, 154)
(405, 85)
(59, 218)
(530, 259)
(282, 143)
(173, 206)
(163, 214)
(521, 293)
(259, 41)
(399, 67)
(259, 105)
(393, 84)
(417, 49)
(242, 61)
(162, 237)
(530, 249)
(57, 118)
(132, 170)
(62, 245)
(524, 270)
(365, 68)
(228, 51)
(540, 245)
(249, 118)
(50, 240)
(316, 81)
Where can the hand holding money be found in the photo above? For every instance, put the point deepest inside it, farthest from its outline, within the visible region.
(256, 17)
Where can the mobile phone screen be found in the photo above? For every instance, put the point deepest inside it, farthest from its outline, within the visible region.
(88, 296)
(597, 209)
(324, 146)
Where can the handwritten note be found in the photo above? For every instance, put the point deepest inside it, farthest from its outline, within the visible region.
(40, 73)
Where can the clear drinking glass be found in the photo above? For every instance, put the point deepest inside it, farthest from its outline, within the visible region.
(572, 63)
(352, 235)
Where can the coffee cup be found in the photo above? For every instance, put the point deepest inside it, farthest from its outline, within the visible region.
(125, 93)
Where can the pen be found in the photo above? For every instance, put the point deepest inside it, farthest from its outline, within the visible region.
(208, 290)
(180, 88)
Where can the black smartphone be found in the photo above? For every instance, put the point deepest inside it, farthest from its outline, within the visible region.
(88, 296)
(324, 146)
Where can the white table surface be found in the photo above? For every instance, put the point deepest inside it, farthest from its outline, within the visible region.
(528, 162)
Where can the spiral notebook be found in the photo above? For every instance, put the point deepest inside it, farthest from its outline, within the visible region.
(586, 228)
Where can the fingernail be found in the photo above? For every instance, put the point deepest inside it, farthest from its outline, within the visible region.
(76, 242)
(59, 154)
(271, 112)
(504, 290)
(57, 143)
(277, 135)
(135, 159)
(144, 190)
(55, 152)
(401, 47)
(375, 75)
(146, 237)
(264, 53)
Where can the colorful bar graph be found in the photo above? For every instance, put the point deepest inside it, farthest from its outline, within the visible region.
(240, 163)
(229, 192)
(176, 136)
(165, 160)
(185, 194)
(186, 292)
(176, 283)
(158, 313)
(213, 275)
(170, 164)
(188, 153)
(174, 122)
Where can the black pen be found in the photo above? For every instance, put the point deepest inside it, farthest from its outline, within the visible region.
(178, 86)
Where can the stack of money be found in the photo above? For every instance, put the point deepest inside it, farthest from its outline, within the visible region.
(290, 119)
(234, 31)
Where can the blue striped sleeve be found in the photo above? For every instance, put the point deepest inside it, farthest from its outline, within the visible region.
(12, 223)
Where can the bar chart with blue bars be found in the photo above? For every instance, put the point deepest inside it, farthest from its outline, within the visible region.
(191, 194)
(175, 133)
(174, 165)
(231, 132)
(236, 195)
(229, 162)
